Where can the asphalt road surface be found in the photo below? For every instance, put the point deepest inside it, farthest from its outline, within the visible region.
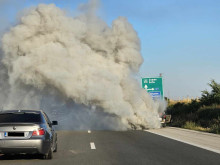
(119, 147)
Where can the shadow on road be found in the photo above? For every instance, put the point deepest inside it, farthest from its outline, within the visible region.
(20, 157)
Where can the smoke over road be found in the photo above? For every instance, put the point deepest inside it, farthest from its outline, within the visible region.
(78, 68)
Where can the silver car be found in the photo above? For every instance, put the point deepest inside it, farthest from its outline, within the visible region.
(27, 132)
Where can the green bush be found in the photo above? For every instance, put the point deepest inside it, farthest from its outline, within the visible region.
(203, 114)
(213, 97)
(215, 128)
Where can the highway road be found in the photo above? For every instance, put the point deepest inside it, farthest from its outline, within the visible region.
(119, 147)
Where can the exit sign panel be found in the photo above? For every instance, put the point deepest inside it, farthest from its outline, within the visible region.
(154, 86)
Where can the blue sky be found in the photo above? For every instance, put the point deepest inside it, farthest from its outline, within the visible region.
(179, 38)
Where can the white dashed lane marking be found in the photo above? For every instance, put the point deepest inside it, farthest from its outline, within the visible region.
(73, 152)
(92, 145)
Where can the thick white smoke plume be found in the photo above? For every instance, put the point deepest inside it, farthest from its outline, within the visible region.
(77, 66)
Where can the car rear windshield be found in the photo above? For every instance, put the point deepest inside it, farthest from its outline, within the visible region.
(20, 118)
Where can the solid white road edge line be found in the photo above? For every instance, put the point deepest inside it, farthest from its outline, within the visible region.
(193, 144)
(89, 131)
(92, 145)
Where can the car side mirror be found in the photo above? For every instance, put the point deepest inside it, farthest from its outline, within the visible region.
(54, 122)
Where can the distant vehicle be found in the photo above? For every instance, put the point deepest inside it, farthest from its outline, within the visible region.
(27, 132)
(164, 119)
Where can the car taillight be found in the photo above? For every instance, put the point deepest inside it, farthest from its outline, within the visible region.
(39, 132)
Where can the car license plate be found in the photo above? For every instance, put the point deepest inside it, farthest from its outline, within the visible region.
(6, 134)
(15, 134)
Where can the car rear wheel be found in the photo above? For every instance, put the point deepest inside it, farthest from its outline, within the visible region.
(49, 155)
(55, 150)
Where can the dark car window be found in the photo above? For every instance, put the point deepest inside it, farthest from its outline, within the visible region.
(20, 118)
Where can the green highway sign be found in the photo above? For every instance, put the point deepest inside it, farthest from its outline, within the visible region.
(154, 86)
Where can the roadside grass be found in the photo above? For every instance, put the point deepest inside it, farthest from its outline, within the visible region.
(194, 117)
(213, 128)
(194, 126)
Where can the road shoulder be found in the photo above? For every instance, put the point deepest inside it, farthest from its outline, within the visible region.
(203, 140)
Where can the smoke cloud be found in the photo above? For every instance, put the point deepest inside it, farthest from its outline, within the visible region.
(78, 69)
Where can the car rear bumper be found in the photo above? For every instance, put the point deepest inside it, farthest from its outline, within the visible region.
(28, 146)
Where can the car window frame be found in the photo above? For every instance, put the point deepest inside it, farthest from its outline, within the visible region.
(47, 119)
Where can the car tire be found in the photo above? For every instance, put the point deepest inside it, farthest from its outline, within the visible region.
(7, 156)
(49, 155)
(55, 150)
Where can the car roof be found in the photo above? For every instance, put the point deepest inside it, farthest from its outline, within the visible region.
(21, 111)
